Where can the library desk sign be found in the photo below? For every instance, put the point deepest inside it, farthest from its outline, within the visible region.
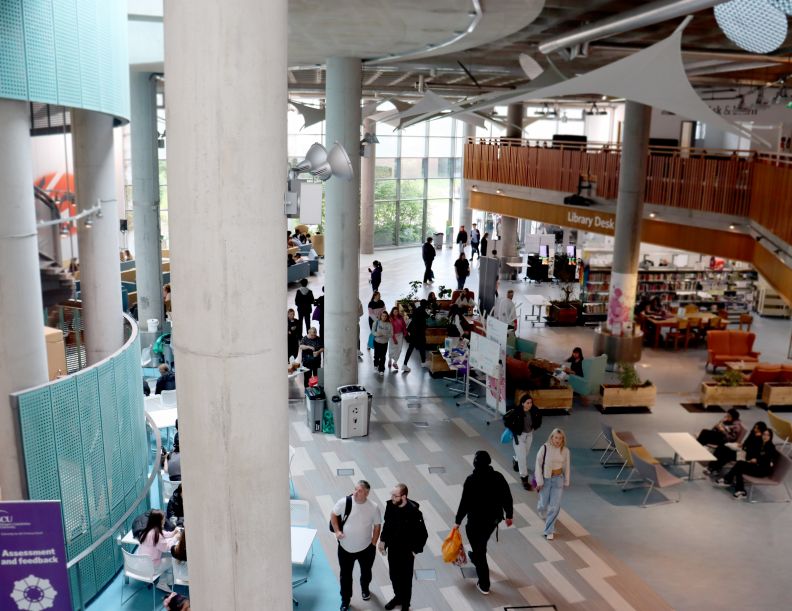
(33, 573)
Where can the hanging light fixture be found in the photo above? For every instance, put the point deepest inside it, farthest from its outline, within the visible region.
(757, 26)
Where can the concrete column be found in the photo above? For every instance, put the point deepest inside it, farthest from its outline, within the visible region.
(22, 351)
(146, 201)
(221, 60)
(342, 243)
(465, 213)
(629, 212)
(367, 176)
(514, 118)
(100, 270)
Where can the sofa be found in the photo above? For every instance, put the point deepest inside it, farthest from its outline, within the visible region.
(593, 376)
(770, 372)
(298, 271)
(725, 346)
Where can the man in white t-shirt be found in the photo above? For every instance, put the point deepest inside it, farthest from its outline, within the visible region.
(505, 310)
(357, 535)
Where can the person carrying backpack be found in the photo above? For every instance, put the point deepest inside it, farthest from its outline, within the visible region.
(522, 421)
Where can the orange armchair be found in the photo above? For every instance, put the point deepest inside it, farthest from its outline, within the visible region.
(723, 346)
(764, 372)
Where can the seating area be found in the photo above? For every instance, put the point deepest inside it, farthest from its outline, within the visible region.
(725, 346)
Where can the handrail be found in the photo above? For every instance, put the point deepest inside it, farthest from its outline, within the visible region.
(151, 478)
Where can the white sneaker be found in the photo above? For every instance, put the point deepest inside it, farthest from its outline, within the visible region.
(382, 373)
(550, 537)
(395, 367)
(406, 369)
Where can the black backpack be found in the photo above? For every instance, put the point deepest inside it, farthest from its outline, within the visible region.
(343, 519)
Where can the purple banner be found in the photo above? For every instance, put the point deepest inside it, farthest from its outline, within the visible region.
(33, 573)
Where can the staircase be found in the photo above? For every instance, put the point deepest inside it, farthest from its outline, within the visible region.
(57, 285)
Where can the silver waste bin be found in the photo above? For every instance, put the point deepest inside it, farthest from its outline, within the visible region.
(314, 408)
(438, 240)
(352, 411)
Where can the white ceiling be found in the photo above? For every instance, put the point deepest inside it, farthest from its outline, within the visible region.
(319, 29)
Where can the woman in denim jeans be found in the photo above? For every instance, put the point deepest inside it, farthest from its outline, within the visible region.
(552, 476)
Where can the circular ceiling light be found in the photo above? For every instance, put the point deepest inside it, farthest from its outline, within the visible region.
(782, 5)
(753, 25)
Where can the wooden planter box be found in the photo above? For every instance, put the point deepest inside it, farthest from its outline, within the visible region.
(777, 393)
(712, 394)
(618, 396)
(562, 316)
(553, 398)
(437, 364)
(435, 336)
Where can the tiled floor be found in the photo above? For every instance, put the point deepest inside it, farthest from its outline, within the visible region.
(706, 552)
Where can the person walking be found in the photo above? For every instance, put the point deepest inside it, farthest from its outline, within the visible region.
(375, 307)
(312, 347)
(552, 476)
(522, 421)
(397, 342)
(304, 301)
(462, 239)
(383, 332)
(483, 247)
(376, 275)
(475, 240)
(462, 268)
(486, 498)
(416, 334)
(403, 538)
(428, 253)
(356, 523)
(293, 328)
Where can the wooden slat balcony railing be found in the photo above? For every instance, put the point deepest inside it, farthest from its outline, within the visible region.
(771, 195)
(693, 179)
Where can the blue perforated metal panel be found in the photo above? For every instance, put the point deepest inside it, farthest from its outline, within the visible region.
(66, 52)
(13, 67)
(38, 433)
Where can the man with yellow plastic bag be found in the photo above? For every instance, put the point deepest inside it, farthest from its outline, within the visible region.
(486, 498)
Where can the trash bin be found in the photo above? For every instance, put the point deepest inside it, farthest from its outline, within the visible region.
(438, 240)
(352, 411)
(315, 401)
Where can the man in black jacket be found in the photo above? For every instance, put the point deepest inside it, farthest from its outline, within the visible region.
(486, 498)
(416, 334)
(428, 253)
(304, 302)
(166, 381)
(403, 537)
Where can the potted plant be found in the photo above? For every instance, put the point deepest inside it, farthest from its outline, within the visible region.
(564, 311)
(730, 388)
(630, 391)
(407, 303)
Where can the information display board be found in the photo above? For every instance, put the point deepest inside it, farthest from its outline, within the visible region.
(484, 354)
(497, 331)
(33, 557)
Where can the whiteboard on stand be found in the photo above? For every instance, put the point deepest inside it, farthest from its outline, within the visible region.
(497, 331)
(484, 354)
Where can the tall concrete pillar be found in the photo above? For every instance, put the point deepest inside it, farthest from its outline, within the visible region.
(146, 201)
(100, 270)
(22, 351)
(229, 331)
(629, 212)
(508, 247)
(514, 118)
(342, 212)
(465, 213)
(367, 176)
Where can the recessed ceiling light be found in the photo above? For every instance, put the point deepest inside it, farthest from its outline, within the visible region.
(474, 188)
(498, 191)
(652, 215)
(731, 227)
(753, 25)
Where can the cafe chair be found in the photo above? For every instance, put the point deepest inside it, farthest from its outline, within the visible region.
(593, 375)
(677, 334)
(140, 568)
(168, 398)
(657, 476)
(628, 454)
(782, 429)
(300, 516)
(691, 308)
(168, 487)
(181, 575)
(776, 478)
(607, 434)
(747, 320)
(695, 331)
(153, 403)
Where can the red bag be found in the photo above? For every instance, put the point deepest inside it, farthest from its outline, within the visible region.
(313, 381)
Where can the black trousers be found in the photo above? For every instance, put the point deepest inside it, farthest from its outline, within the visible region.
(294, 347)
(742, 467)
(346, 562)
(723, 455)
(304, 317)
(711, 437)
(400, 568)
(478, 535)
(420, 346)
(380, 350)
(428, 273)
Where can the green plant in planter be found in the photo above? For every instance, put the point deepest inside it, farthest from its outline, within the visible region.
(408, 300)
(731, 377)
(628, 376)
(567, 291)
(443, 292)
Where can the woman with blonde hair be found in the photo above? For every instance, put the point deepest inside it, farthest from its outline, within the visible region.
(552, 476)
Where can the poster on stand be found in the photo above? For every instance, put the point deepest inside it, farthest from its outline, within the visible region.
(496, 387)
(497, 331)
(33, 573)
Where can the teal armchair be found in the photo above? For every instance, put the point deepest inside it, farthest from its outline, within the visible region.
(593, 376)
(525, 347)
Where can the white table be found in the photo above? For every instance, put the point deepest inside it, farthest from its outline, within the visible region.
(537, 302)
(164, 418)
(687, 449)
(302, 539)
